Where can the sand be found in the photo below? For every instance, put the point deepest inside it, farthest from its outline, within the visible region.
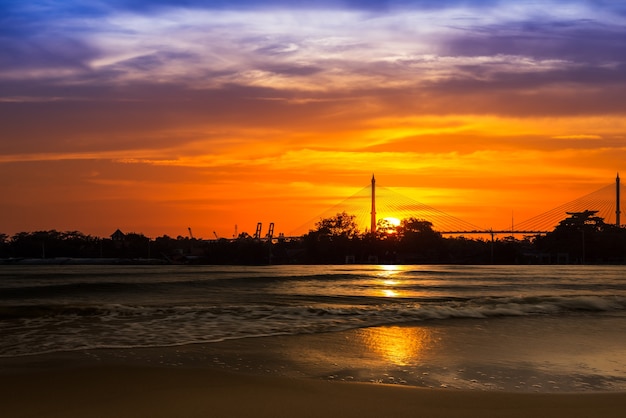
(130, 391)
(301, 376)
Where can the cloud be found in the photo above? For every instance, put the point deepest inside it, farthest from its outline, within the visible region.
(578, 137)
(141, 77)
(366, 5)
(581, 41)
(39, 55)
(305, 48)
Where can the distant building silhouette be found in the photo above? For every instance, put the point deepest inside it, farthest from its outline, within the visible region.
(118, 236)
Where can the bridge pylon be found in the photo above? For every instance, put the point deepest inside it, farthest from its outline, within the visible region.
(373, 211)
(618, 222)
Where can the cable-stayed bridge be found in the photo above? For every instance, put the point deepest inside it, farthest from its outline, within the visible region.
(384, 202)
(605, 200)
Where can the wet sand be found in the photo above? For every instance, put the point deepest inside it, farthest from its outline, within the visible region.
(372, 372)
(127, 391)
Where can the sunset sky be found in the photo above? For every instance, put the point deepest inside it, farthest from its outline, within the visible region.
(156, 115)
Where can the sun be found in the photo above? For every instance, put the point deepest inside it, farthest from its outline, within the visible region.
(392, 221)
(388, 225)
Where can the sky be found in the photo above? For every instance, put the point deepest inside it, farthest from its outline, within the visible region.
(154, 116)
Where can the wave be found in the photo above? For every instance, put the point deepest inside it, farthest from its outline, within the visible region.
(298, 287)
(41, 328)
(424, 308)
(73, 308)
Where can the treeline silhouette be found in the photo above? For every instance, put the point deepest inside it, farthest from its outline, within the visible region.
(580, 238)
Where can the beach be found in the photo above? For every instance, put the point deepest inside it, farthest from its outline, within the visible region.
(180, 382)
(164, 392)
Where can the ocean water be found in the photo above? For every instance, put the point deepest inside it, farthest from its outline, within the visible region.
(63, 308)
(514, 328)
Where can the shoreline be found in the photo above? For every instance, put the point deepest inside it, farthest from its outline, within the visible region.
(289, 376)
(563, 355)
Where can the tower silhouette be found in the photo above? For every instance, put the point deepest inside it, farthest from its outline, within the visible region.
(373, 212)
(618, 222)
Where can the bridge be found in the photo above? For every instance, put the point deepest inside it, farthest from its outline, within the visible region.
(373, 200)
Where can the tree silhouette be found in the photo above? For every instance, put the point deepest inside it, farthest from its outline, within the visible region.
(585, 220)
(341, 225)
(583, 237)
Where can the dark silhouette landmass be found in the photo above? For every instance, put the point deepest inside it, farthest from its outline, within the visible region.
(580, 238)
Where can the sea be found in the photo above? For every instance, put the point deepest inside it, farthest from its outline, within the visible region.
(431, 325)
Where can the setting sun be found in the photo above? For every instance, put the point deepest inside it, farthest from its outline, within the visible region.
(392, 221)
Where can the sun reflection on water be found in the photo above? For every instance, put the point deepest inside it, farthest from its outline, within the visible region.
(390, 267)
(390, 293)
(386, 283)
(401, 346)
(390, 282)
